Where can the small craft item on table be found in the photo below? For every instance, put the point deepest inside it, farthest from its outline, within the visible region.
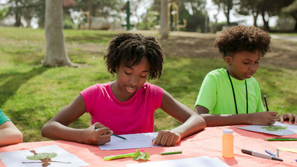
(48, 156)
(139, 140)
(280, 129)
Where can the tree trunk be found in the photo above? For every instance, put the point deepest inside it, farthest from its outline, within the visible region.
(90, 12)
(18, 22)
(164, 31)
(55, 46)
(265, 23)
(255, 19)
(295, 18)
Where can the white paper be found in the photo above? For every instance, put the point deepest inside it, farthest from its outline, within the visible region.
(291, 129)
(204, 161)
(15, 158)
(139, 140)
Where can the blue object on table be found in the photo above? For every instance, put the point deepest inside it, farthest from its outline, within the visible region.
(270, 153)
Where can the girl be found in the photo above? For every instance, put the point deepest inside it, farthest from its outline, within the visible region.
(9, 133)
(127, 104)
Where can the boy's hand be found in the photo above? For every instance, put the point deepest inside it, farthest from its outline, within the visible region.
(263, 118)
(96, 136)
(289, 116)
(166, 138)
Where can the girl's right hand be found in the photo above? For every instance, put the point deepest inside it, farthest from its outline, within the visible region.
(97, 136)
(263, 118)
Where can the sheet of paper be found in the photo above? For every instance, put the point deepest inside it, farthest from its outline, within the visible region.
(66, 159)
(288, 149)
(280, 129)
(139, 140)
(204, 161)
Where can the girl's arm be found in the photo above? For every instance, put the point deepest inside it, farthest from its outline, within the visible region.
(56, 128)
(192, 122)
(10, 134)
(258, 118)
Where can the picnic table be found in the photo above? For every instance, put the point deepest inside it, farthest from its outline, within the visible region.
(205, 143)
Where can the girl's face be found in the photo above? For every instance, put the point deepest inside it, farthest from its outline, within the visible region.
(130, 79)
(243, 65)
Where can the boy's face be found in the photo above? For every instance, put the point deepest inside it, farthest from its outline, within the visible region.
(130, 79)
(243, 65)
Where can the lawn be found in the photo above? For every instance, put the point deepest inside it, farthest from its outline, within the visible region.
(31, 94)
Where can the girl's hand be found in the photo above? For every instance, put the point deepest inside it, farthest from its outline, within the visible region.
(289, 116)
(97, 136)
(166, 138)
(263, 118)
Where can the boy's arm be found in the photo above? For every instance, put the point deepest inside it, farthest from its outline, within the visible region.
(259, 118)
(56, 128)
(10, 134)
(192, 122)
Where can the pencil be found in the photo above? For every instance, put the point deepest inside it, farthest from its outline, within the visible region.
(266, 102)
(280, 139)
(114, 134)
(175, 152)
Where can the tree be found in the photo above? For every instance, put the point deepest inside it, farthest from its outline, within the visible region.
(164, 30)
(134, 7)
(223, 4)
(249, 7)
(55, 46)
(291, 9)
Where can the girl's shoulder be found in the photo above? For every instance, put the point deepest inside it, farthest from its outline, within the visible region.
(151, 87)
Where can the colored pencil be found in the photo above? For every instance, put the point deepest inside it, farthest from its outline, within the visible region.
(114, 134)
(119, 136)
(270, 153)
(266, 102)
(281, 139)
(284, 138)
(175, 152)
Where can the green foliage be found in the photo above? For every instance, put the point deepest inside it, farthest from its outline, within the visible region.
(3, 13)
(140, 156)
(41, 156)
(274, 128)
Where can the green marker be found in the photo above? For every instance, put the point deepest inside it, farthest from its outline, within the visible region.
(175, 152)
(114, 135)
(281, 139)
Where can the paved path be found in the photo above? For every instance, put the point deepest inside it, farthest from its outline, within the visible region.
(284, 37)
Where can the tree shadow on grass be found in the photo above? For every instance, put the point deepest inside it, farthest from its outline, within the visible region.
(9, 88)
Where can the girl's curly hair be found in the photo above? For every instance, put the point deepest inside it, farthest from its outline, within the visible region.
(127, 47)
(243, 38)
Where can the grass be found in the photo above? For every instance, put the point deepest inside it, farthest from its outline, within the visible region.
(31, 94)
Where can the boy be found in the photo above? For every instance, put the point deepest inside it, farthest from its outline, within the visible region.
(9, 133)
(233, 96)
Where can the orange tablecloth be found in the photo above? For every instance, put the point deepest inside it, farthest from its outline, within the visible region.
(205, 143)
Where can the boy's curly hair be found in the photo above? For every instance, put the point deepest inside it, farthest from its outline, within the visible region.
(242, 38)
(127, 47)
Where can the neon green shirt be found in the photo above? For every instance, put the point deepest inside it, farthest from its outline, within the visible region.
(3, 118)
(216, 94)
